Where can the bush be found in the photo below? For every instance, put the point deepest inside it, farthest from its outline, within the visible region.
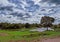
(27, 25)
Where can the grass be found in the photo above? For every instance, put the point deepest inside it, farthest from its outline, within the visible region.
(15, 35)
(25, 35)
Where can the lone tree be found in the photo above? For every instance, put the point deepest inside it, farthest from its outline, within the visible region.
(47, 21)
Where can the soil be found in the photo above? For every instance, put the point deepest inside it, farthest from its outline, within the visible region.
(3, 34)
(51, 40)
(41, 40)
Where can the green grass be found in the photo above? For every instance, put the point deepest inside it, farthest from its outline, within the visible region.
(25, 35)
(16, 35)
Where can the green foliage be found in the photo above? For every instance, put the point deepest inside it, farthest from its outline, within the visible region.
(11, 26)
(27, 25)
(18, 26)
(56, 27)
(47, 21)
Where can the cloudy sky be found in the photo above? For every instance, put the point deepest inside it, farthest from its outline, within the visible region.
(31, 11)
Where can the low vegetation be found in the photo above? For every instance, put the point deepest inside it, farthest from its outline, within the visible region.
(6, 35)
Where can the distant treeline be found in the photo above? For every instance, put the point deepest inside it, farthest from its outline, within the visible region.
(17, 26)
(20, 26)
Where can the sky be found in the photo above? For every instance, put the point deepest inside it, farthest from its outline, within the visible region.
(28, 11)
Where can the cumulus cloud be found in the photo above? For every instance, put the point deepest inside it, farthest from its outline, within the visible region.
(52, 1)
(30, 11)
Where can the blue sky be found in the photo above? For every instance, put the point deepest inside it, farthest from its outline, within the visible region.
(31, 11)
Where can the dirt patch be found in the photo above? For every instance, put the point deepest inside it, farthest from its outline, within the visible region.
(55, 39)
(3, 34)
(17, 41)
(51, 40)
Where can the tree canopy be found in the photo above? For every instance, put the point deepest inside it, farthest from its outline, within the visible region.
(47, 21)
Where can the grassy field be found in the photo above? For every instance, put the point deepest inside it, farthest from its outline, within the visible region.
(7, 35)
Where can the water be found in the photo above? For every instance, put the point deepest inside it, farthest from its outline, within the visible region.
(42, 29)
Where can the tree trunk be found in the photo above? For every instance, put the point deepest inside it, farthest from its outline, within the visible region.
(47, 28)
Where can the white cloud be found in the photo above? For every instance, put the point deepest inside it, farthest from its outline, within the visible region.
(36, 1)
(44, 9)
(5, 3)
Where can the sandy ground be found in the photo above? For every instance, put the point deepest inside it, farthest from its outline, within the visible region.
(42, 40)
(51, 40)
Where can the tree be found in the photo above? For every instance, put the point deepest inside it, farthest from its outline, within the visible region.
(27, 25)
(47, 21)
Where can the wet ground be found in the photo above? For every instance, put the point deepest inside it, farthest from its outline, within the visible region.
(41, 29)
